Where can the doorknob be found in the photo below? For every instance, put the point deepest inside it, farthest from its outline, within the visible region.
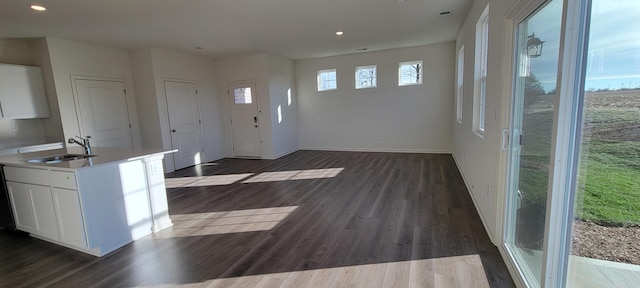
(173, 130)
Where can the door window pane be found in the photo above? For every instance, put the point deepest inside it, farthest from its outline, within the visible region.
(242, 95)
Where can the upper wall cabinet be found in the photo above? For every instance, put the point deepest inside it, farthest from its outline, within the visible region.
(22, 93)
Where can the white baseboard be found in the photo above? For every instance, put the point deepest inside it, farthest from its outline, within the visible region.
(273, 157)
(217, 157)
(385, 150)
(473, 198)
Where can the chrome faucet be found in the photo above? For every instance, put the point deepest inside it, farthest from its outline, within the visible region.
(85, 143)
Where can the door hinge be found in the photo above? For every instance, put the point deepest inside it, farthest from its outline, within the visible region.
(125, 91)
(227, 92)
(200, 121)
(129, 125)
(233, 148)
(196, 91)
(230, 120)
(521, 139)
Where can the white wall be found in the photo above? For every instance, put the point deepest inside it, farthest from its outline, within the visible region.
(387, 118)
(70, 58)
(152, 66)
(479, 158)
(40, 56)
(17, 51)
(284, 106)
(250, 68)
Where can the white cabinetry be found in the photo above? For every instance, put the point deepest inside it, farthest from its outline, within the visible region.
(33, 207)
(69, 216)
(42, 207)
(45, 214)
(22, 93)
(22, 207)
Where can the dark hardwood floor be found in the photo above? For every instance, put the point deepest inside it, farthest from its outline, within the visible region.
(309, 219)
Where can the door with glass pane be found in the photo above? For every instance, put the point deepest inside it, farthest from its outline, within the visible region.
(532, 121)
(244, 120)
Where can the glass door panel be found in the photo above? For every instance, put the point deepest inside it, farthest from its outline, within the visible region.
(533, 106)
(605, 250)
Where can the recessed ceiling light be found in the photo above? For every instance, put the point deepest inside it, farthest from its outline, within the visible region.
(339, 33)
(38, 8)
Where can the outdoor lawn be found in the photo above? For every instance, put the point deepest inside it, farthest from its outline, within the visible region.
(609, 174)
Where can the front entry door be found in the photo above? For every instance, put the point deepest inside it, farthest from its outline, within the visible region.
(103, 112)
(184, 122)
(244, 120)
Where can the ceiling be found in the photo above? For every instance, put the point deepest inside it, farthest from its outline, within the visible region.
(295, 29)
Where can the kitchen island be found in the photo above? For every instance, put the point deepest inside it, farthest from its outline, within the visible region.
(93, 204)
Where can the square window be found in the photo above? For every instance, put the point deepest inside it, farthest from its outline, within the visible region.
(242, 95)
(410, 73)
(366, 77)
(327, 80)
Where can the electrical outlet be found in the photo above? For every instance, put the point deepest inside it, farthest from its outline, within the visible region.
(14, 127)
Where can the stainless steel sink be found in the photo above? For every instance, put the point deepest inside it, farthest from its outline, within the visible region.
(59, 158)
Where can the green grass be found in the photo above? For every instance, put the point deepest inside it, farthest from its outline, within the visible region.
(609, 175)
(609, 192)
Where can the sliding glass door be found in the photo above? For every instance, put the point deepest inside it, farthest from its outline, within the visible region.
(532, 127)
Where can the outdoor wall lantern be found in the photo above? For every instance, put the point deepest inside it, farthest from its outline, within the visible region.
(534, 46)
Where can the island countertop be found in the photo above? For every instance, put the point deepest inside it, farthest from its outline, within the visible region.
(102, 156)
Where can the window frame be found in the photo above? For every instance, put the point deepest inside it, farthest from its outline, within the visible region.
(460, 85)
(320, 81)
(374, 83)
(481, 61)
(420, 73)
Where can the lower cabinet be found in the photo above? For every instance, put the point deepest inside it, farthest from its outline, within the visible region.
(69, 216)
(22, 206)
(48, 211)
(45, 214)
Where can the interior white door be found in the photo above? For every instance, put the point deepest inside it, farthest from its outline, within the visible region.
(103, 112)
(184, 122)
(244, 120)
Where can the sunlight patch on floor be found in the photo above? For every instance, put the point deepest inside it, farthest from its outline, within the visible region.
(214, 180)
(224, 222)
(454, 271)
(295, 175)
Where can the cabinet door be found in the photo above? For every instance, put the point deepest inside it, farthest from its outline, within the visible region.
(22, 93)
(22, 206)
(46, 224)
(69, 216)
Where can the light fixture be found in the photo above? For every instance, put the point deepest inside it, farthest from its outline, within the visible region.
(339, 33)
(534, 46)
(38, 8)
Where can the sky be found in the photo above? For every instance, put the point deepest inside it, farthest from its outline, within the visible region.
(613, 59)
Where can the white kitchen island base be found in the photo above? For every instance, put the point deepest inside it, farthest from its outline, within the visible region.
(96, 208)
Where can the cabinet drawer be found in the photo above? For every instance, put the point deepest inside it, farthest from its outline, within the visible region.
(26, 175)
(62, 179)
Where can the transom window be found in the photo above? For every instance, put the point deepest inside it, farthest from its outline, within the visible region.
(410, 73)
(327, 80)
(366, 77)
